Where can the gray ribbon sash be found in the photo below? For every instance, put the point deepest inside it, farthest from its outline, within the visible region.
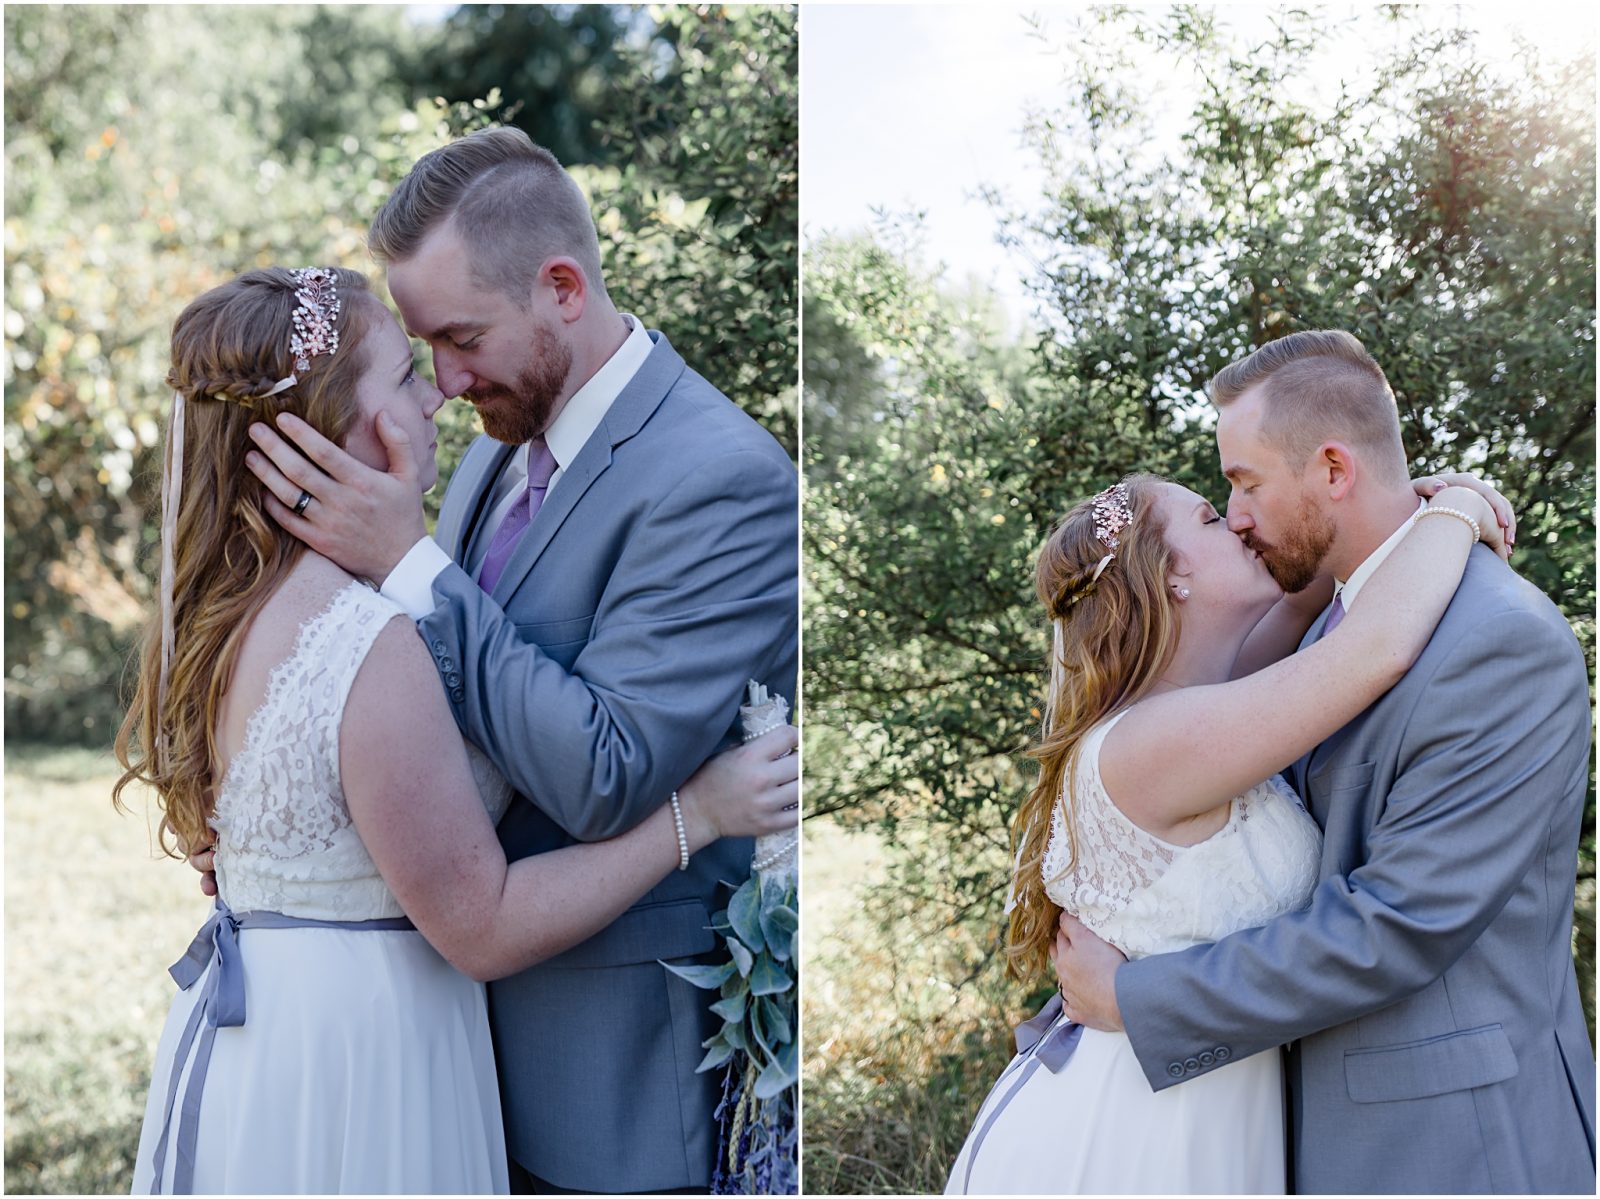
(1041, 1041)
(221, 1005)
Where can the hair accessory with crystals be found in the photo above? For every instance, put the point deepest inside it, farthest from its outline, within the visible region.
(315, 316)
(1113, 512)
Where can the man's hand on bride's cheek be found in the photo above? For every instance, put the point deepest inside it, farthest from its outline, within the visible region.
(365, 520)
(1086, 970)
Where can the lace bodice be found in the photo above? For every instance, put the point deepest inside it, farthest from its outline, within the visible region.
(1147, 896)
(285, 840)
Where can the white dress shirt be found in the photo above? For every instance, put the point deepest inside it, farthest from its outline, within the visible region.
(410, 584)
(1348, 589)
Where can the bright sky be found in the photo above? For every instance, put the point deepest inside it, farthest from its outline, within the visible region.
(912, 107)
(429, 14)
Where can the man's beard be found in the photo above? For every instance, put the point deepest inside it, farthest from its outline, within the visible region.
(1296, 560)
(523, 411)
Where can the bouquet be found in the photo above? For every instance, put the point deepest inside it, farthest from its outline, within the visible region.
(756, 1048)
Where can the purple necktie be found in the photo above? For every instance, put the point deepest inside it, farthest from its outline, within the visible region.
(1335, 615)
(541, 465)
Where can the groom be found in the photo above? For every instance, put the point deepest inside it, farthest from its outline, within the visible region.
(611, 564)
(1437, 1043)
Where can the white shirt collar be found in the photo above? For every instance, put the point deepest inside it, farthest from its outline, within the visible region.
(1358, 577)
(588, 406)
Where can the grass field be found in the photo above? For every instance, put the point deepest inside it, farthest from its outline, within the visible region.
(897, 1058)
(92, 920)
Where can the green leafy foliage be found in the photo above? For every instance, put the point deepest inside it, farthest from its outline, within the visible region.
(708, 978)
(700, 222)
(779, 923)
(756, 1048)
(148, 158)
(557, 66)
(744, 914)
(754, 1022)
(1444, 214)
(145, 162)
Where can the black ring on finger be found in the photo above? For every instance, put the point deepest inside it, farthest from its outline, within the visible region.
(301, 504)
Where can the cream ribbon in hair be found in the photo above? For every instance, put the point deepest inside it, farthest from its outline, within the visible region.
(171, 497)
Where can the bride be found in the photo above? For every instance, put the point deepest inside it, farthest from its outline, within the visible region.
(1155, 607)
(330, 1034)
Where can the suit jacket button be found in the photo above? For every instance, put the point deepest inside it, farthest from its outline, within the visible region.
(458, 695)
(438, 647)
(455, 681)
(447, 663)
(1223, 1053)
(1207, 1058)
(1175, 1070)
(1191, 1064)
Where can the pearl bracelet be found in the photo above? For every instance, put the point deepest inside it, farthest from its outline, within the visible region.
(683, 838)
(1430, 510)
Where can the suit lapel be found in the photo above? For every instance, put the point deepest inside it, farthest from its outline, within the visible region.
(644, 392)
(591, 462)
(1300, 772)
(626, 416)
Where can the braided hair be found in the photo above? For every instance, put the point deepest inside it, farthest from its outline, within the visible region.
(230, 347)
(1114, 629)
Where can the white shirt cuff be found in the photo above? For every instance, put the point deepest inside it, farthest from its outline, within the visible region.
(410, 583)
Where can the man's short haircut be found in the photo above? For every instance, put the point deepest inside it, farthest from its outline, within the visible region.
(513, 206)
(1318, 386)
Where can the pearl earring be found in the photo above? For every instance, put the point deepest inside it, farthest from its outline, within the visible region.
(1183, 593)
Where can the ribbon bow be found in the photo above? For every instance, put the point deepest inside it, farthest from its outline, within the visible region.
(218, 941)
(1052, 1047)
(220, 1005)
(1041, 1041)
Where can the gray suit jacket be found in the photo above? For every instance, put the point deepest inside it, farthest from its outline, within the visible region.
(660, 575)
(1439, 1045)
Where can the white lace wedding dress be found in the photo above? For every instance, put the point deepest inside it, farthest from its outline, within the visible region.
(1091, 1124)
(363, 1061)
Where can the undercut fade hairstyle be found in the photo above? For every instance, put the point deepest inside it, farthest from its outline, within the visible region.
(1316, 386)
(512, 203)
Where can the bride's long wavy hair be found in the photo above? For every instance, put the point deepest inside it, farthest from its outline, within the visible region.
(229, 347)
(1111, 639)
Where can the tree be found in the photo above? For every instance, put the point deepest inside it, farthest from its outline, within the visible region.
(1443, 215)
(145, 162)
(700, 222)
(557, 66)
(147, 159)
